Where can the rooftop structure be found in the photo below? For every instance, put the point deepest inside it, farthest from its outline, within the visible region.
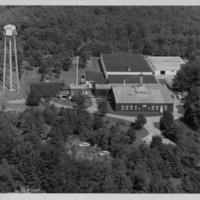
(165, 65)
(131, 79)
(158, 94)
(124, 63)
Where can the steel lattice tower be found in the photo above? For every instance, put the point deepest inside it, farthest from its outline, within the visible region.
(10, 44)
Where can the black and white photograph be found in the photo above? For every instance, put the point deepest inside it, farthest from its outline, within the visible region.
(99, 99)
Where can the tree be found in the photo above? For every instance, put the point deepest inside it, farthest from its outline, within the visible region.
(156, 142)
(131, 134)
(187, 77)
(192, 108)
(102, 107)
(166, 120)
(140, 121)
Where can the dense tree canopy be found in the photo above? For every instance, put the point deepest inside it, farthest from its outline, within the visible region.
(63, 31)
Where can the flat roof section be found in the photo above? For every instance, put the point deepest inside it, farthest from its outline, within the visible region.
(124, 62)
(96, 77)
(165, 63)
(158, 94)
(131, 79)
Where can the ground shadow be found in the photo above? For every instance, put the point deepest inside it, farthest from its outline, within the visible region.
(156, 125)
(180, 109)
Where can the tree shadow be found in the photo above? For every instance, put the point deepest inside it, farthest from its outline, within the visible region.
(156, 125)
(180, 109)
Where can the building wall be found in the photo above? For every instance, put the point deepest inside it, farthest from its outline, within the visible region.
(143, 107)
(167, 72)
(101, 92)
(129, 73)
(103, 66)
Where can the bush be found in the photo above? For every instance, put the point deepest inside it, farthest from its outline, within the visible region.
(123, 123)
(156, 141)
(33, 99)
(107, 121)
(102, 107)
(131, 133)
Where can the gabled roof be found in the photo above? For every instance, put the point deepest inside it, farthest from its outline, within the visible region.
(131, 79)
(124, 62)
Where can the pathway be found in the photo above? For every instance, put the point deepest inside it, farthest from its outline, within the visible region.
(60, 105)
(94, 107)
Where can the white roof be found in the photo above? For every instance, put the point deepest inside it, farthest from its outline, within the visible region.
(165, 63)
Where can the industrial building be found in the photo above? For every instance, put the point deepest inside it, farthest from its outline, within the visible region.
(142, 98)
(124, 64)
(165, 65)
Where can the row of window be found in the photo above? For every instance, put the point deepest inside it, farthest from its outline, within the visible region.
(144, 107)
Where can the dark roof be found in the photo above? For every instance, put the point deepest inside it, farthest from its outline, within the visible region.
(51, 88)
(96, 77)
(134, 79)
(120, 62)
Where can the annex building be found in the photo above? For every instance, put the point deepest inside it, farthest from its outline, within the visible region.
(165, 65)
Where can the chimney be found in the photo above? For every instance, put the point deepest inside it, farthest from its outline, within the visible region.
(77, 70)
(141, 80)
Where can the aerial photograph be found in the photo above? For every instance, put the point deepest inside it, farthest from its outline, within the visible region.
(99, 99)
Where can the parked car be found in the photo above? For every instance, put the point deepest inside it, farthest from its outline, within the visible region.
(84, 144)
(148, 140)
(103, 153)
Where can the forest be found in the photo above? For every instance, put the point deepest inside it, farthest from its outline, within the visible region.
(48, 37)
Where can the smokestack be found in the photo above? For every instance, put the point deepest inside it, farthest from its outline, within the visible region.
(141, 80)
(124, 82)
(77, 70)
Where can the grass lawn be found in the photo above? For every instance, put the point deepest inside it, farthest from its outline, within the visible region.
(65, 102)
(124, 125)
(139, 135)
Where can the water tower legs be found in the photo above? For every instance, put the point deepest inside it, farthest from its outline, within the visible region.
(16, 64)
(9, 50)
(4, 67)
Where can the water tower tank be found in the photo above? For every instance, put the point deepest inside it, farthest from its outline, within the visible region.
(10, 30)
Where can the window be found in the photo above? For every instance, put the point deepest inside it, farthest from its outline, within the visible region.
(157, 107)
(139, 108)
(126, 107)
(135, 107)
(152, 107)
(131, 107)
(122, 107)
(162, 72)
(165, 107)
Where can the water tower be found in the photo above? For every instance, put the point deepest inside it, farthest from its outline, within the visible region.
(10, 50)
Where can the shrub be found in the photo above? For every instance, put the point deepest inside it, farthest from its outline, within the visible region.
(33, 99)
(107, 121)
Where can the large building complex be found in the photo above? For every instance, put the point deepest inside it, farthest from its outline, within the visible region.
(132, 82)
